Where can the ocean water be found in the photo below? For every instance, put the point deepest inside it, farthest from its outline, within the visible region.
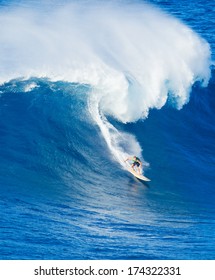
(84, 85)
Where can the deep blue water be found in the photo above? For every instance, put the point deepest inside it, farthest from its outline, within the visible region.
(63, 196)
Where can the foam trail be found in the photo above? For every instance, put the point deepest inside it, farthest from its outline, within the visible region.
(134, 56)
(121, 145)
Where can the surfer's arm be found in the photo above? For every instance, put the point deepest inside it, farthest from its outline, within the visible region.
(129, 158)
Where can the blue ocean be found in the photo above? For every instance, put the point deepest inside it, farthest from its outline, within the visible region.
(83, 86)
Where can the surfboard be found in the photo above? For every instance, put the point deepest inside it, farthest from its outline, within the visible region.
(141, 177)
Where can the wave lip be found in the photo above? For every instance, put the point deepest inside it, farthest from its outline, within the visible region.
(133, 54)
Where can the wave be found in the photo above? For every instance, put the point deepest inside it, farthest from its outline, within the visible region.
(133, 56)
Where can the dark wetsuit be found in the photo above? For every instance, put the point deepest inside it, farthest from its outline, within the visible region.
(136, 162)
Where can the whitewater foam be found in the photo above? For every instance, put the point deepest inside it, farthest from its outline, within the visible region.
(121, 144)
(134, 56)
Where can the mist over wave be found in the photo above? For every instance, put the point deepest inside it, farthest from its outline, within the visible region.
(133, 56)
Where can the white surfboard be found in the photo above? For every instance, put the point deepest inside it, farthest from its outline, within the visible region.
(139, 176)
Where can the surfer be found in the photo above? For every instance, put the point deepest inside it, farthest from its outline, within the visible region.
(136, 162)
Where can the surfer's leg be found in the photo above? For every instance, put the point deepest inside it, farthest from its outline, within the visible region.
(138, 168)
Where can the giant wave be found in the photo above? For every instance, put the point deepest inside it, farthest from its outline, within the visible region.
(133, 56)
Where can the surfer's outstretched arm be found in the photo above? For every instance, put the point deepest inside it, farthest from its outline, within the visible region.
(129, 158)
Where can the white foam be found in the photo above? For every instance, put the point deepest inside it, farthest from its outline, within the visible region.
(29, 87)
(121, 144)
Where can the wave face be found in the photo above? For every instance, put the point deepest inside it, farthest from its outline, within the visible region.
(77, 81)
